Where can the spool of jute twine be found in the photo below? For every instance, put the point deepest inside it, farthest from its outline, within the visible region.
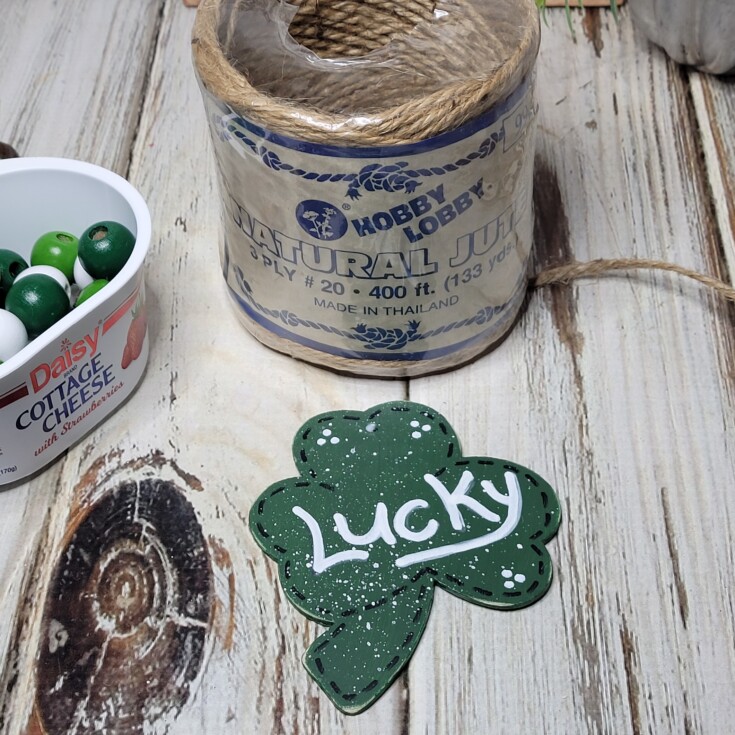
(376, 73)
(367, 74)
(425, 75)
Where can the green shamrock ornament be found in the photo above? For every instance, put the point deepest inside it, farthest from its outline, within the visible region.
(385, 507)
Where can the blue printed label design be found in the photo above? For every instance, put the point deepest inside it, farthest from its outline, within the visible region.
(321, 220)
(408, 252)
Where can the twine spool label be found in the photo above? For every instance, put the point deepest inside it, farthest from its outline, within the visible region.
(404, 253)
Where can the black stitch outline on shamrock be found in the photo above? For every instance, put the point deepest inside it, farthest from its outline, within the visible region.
(328, 653)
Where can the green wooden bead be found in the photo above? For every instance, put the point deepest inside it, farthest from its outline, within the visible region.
(38, 301)
(91, 290)
(57, 249)
(11, 264)
(46, 270)
(104, 248)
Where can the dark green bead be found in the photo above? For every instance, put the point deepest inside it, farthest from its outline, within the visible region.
(38, 301)
(11, 264)
(57, 249)
(104, 248)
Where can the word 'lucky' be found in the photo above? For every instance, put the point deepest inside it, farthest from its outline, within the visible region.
(384, 529)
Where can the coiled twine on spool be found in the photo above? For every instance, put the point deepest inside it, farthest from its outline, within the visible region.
(375, 161)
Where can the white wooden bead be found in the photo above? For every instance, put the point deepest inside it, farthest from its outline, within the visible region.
(13, 335)
(81, 277)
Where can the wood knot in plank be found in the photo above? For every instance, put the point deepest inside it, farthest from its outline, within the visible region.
(127, 615)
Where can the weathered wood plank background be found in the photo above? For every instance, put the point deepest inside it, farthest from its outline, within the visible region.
(619, 390)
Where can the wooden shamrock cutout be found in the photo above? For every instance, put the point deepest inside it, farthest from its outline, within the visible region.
(385, 507)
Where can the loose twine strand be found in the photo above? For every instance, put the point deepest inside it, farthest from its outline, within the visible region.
(565, 273)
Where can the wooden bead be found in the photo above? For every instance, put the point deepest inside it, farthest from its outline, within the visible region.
(104, 248)
(38, 301)
(13, 335)
(57, 249)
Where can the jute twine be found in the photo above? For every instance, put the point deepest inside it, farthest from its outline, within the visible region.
(363, 73)
(564, 274)
(432, 66)
(405, 71)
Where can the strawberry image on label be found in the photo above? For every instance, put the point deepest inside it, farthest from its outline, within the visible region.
(136, 336)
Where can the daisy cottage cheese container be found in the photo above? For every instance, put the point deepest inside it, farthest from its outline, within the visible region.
(76, 372)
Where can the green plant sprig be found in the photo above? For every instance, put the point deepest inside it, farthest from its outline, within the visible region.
(541, 5)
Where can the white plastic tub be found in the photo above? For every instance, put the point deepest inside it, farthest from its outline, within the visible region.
(72, 376)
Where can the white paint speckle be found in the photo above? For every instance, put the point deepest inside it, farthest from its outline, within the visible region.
(371, 427)
(57, 636)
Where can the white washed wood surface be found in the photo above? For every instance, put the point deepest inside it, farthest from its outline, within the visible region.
(714, 104)
(52, 103)
(619, 391)
(216, 411)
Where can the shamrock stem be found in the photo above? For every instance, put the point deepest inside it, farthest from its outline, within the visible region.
(358, 658)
